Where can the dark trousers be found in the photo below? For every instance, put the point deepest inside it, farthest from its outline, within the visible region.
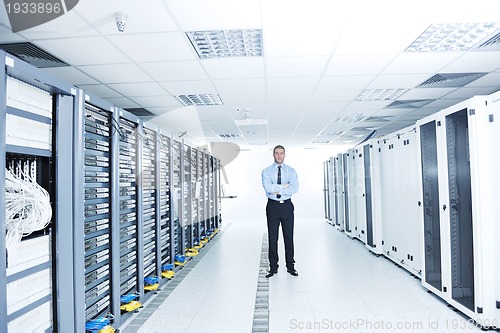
(280, 213)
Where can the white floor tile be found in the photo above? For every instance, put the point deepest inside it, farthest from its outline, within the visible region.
(341, 287)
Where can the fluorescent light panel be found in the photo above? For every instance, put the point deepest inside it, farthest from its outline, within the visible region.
(380, 94)
(199, 99)
(452, 36)
(227, 43)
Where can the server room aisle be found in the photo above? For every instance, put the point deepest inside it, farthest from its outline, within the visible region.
(341, 287)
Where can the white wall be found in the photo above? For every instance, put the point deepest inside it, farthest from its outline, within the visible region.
(244, 181)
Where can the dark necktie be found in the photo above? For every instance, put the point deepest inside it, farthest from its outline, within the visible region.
(279, 180)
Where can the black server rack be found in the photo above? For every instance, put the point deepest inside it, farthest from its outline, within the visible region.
(165, 206)
(215, 195)
(150, 208)
(204, 199)
(93, 210)
(186, 197)
(176, 193)
(130, 212)
(36, 111)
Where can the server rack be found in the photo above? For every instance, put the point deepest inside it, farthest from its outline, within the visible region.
(456, 177)
(340, 188)
(177, 198)
(165, 206)
(349, 211)
(215, 195)
(399, 189)
(35, 112)
(358, 193)
(205, 199)
(93, 207)
(196, 169)
(150, 209)
(129, 224)
(326, 190)
(186, 197)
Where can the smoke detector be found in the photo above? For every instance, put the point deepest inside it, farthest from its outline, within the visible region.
(121, 21)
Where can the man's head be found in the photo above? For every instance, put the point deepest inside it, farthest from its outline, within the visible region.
(279, 154)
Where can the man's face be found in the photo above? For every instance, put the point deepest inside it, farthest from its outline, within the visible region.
(279, 155)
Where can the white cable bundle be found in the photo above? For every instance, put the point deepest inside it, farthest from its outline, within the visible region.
(27, 207)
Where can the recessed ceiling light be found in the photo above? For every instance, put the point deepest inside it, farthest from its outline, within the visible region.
(227, 43)
(452, 36)
(380, 94)
(200, 99)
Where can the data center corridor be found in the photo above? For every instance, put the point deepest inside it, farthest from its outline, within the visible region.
(341, 287)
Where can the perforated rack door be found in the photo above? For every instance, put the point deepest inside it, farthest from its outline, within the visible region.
(165, 197)
(149, 203)
(97, 210)
(128, 206)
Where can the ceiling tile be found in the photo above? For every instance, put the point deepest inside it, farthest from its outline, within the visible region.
(156, 101)
(71, 75)
(174, 70)
(398, 81)
(155, 46)
(302, 66)
(239, 85)
(84, 50)
(236, 67)
(189, 87)
(366, 64)
(141, 18)
(420, 62)
(122, 102)
(138, 89)
(101, 90)
(345, 82)
(116, 73)
(472, 62)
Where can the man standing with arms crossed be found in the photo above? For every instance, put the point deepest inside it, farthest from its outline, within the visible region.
(280, 182)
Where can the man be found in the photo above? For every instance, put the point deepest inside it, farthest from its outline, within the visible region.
(280, 182)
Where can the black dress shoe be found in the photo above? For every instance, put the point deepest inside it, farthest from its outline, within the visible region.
(292, 271)
(271, 273)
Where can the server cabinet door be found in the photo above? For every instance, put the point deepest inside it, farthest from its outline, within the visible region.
(432, 273)
(459, 210)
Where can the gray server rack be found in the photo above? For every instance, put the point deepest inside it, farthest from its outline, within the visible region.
(36, 283)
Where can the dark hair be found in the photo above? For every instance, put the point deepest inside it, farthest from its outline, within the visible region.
(278, 147)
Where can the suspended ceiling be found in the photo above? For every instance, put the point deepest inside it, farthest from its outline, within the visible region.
(329, 72)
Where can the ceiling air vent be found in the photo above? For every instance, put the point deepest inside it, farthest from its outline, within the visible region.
(409, 104)
(379, 118)
(199, 99)
(33, 55)
(450, 80)
(492, 44)
(141, 112)
(228, 136)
